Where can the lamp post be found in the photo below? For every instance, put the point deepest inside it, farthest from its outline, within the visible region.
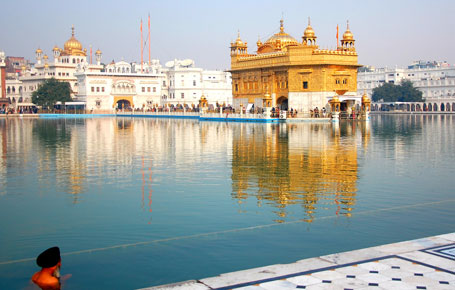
(335, 106)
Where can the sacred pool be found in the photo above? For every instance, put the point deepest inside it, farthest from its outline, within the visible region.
(137, 202)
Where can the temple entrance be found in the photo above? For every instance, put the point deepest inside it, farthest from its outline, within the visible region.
(282, 103)
(123, 104)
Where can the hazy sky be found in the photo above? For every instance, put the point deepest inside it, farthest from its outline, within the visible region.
(387, 32)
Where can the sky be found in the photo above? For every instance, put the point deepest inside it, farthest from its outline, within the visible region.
(387, 32)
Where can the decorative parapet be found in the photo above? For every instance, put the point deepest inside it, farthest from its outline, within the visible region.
(333, 52)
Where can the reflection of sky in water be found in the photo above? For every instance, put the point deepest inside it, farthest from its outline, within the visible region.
(227, 195)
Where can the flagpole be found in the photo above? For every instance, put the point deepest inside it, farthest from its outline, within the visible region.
(150, 40)
(142, 49)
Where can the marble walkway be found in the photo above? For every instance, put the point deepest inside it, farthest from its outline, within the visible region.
(427, 263)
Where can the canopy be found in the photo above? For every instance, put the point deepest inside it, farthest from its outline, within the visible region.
(25, 105)
(74, 103)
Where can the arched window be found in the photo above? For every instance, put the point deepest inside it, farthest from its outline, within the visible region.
(14, 90)
(442, 107)
(74, 60)
(8, 90)
(435, 107)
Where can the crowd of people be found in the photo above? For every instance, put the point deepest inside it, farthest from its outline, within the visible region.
(19, 110)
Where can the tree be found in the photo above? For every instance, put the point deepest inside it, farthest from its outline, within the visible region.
(50, 92)
(404, 92)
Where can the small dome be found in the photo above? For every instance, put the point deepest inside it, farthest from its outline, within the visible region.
(98, 51)
(45, 56)
(56, 48)
(281, 38)
(259, 42)
(347, 35)
(238, 41)
(309, 32)
(39, 50)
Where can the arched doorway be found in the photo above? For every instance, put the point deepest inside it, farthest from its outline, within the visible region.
(430, 107)
(442, 107)
(282, 103)
(123, 104)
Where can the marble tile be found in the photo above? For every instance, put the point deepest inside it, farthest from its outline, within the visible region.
(304, 280)
(376, 266)
(268, 272)
(442, 276)
(430, 259)
(421, 281)
(328, 275)
(253, 287)
(396, 262)
(352, 270)
(396, 285)
(324, 286)
(353, 256)
(351, 283)
(278, 285)
(409, 246)
(396, 273)
(187, 285)
(450, 237)
(417, 268)
(373, 278)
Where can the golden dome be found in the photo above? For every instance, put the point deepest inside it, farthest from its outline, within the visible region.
(56, 48)
(46, 65)
(39, 50)
(259, 42)
(309, 32)
(72, 46)
(238, 41)
(347, 35)
(281, 39)
(98, 51)
(45, 56)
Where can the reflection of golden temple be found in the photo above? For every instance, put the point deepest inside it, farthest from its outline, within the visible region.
(266, 166)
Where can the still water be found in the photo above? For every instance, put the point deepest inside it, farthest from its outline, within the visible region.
(140, 202)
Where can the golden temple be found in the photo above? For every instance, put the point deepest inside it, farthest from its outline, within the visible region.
(294, 74)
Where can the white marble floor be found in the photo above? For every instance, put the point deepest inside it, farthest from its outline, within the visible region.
(427, 263)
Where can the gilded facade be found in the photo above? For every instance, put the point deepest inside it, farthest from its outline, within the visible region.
(294, 74)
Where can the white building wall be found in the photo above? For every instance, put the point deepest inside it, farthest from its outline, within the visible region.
(436, 82)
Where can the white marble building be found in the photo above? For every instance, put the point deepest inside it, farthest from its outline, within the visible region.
(65, 64)
(435, 80)
(119, 86)
(186, 84)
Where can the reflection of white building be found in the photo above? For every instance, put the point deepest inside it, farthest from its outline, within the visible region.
(435, 80)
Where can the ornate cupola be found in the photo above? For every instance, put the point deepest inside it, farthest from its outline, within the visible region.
(39, 55)
(239, 48)
(56, 52)
(98, 56)
(309, 38)
(347, 43)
